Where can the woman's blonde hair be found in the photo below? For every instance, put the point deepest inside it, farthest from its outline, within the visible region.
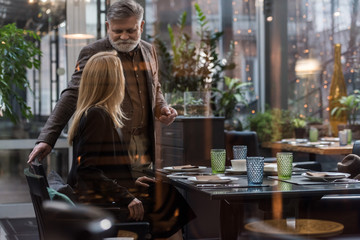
(102, 85)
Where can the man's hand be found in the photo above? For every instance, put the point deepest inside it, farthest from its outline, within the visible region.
(144, 181)
(168, 115)
(40, 151)
(136, 210)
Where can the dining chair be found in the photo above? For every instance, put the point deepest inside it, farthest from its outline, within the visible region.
(356, 147)
(38, 191)
(39, 194)
(81, 222)
(247, 138)
(342, 208)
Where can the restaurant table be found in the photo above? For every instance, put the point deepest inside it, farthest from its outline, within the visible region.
(313, 150)
(235, 196)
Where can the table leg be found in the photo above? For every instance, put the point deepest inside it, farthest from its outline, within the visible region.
(231, 220)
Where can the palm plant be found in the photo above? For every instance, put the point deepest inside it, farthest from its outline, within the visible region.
(350, 105)
(232, 94)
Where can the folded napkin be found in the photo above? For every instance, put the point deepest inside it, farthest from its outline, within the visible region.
(270, 167)
(324, 174)
(207, 178)
(350, 164)
(185, 167)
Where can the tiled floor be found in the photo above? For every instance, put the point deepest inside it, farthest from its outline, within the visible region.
(18, 229)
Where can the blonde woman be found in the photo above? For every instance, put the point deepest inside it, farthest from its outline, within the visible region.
(101, 171)
(99, 155)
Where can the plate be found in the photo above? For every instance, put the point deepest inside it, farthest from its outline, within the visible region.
(331, 176)
(171, 169)
(330, 139)
(230, 170)
(220, 180)
(182, 175)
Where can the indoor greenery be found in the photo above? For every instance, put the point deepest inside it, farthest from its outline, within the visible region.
(18, 51)
(272, 124)
(298, 122)
(350, 105)
(191, 64)
(227, 98)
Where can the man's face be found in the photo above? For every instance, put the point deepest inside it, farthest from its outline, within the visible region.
(124, 34)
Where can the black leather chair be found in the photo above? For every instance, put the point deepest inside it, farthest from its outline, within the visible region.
(39, 194)
(36, 178)
(356, 147)
(68, 222)
(343, 208)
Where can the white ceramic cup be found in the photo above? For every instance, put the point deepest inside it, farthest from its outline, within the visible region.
(238, 164)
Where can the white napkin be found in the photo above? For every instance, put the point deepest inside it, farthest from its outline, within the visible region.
(270, 167)
(185, 167)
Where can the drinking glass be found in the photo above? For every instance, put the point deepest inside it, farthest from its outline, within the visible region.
(349, 136)
(343, 138)
(255, 170)
(240, 151)
(313, 134)
(284, 162)
(218, 158)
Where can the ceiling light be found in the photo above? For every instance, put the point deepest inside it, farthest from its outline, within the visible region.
(79, 36)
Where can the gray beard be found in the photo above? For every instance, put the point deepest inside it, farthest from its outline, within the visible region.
(124, 46)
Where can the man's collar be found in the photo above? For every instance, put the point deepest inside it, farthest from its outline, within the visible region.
(132, 52)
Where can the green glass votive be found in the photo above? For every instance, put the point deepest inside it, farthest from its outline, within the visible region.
(218, 158)
(284, 162)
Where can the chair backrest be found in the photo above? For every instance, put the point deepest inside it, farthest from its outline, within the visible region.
(36, 178)
(80, 221)
(356, 148)
(39, 194)
(248, 138)
(38, 169)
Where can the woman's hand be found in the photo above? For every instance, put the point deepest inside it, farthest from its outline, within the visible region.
(144, 181)
(40, 151)
(136, 210)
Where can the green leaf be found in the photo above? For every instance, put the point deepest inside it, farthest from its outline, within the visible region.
(16, 55)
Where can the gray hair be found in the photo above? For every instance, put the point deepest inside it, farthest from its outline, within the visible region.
(124, 9)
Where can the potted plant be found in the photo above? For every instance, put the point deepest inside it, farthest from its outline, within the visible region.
(232, 94)
(272, 125)
(18, 52)
(299, 125)
(350, 105)
(191, 64)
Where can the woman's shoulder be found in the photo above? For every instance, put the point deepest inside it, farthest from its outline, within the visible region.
(96, 113)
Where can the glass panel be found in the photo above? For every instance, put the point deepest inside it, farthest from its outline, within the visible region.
(313, 29)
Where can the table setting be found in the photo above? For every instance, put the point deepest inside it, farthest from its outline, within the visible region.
(247, 172)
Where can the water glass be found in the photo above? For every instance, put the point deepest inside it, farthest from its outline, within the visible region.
(218, 158)
(284, 186)
(240, 151)
(313, 134)
(255, 170)
(343, 138)
(284, 162)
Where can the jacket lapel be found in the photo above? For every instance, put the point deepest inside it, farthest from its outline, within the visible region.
(149, 71)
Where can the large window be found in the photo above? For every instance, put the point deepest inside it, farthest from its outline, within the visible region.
(313, 29)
